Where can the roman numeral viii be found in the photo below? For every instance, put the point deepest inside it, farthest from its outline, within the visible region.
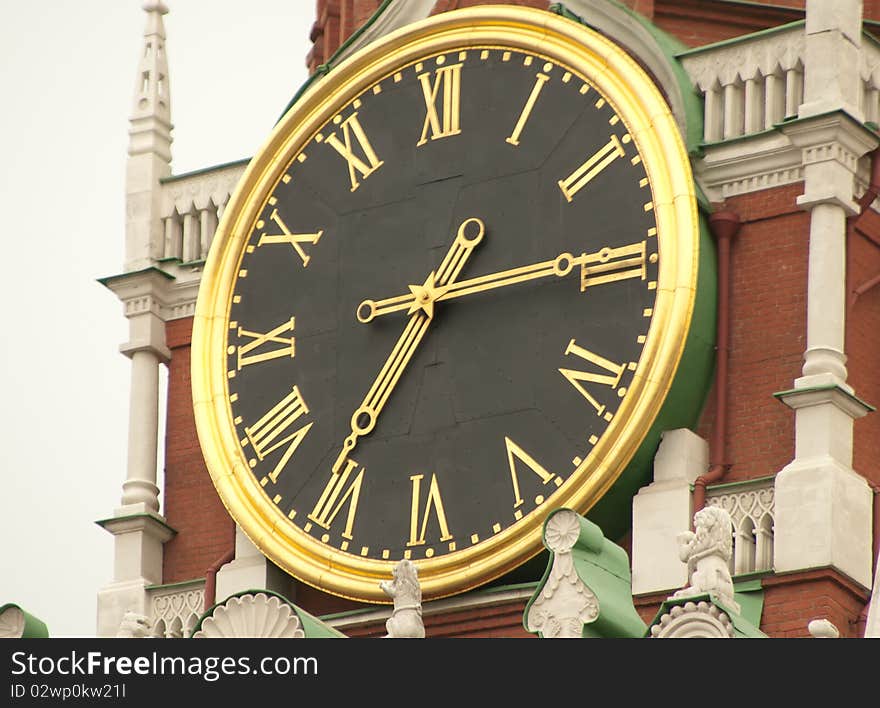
(611, 377)
(351, 128)
(274, 430)
(287, 348)
(339, 490)
(434, 501)
(446, 122)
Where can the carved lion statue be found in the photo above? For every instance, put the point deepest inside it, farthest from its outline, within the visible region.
(134, 626)
(404, 589)
(707, 551)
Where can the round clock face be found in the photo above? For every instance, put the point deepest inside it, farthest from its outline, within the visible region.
(446, 299)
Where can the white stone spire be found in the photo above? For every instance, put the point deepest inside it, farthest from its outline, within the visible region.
(149, 147)
(151, 113)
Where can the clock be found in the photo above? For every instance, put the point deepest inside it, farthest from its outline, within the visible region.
(450, 294)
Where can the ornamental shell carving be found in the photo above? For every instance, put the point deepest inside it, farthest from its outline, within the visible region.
(253, 616)
(693, 621)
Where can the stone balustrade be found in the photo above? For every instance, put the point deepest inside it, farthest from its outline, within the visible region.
(175, 609)
(751, 510)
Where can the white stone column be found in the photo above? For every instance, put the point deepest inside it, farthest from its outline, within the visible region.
(823, 507)
(139, 530)
(663, 509)
(139, 488)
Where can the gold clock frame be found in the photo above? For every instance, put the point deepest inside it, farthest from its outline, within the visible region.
(638, 102)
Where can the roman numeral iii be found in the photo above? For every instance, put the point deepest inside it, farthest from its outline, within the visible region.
(577, 378)
(446, 122)
(611, 264)
(287, 348)
(351, 127)
(273, 430)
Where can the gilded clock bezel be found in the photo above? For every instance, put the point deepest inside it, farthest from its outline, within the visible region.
(655, 133)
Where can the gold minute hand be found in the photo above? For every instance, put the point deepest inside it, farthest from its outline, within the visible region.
(559, 266)
(421, 305)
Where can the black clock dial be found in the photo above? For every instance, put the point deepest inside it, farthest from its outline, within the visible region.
(449, 295)
(442, 304)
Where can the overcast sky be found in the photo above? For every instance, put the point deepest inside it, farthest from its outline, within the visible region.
(67, 71)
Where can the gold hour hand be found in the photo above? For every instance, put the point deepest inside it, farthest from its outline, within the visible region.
(421, 306)
(603, 266)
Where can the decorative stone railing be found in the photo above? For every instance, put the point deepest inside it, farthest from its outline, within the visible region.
(752, 83)
(750, 505)
(192, 206)
(175, 609)
(749, 84)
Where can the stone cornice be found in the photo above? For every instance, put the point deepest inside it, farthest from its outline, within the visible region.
(815, 133)
(748, 164)
(818, 395)
(168, 292)
(153, 524)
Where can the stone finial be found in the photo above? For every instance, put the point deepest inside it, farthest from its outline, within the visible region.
(134, 626)
(404, 588)
(707, 551)
(150, 130)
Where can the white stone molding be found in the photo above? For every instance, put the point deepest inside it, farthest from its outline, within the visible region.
(252, 616)
(700, 620)
(662, 509)
(12, 623)
(707, 550)
(175, 609)
(751, 509)
(406, 592)
(565, 603)
(823, 629)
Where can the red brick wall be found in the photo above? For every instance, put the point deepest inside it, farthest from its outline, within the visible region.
(863, 339)
(791, 602)
(768, 278)
(191, 504)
